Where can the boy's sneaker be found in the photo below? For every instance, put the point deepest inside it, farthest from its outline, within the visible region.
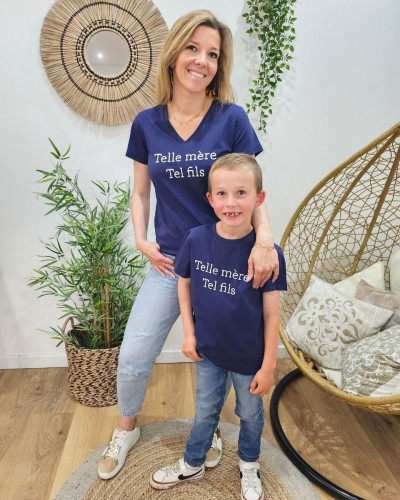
(113, 457)
(169, 476)
(214, 454)
(252, 488)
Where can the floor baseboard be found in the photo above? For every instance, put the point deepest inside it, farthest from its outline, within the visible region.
(60, 360)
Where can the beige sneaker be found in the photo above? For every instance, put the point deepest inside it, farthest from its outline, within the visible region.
(113, 457)
(214, 454)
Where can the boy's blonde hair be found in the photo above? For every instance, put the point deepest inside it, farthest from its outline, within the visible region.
(175, 42)
(241, 162)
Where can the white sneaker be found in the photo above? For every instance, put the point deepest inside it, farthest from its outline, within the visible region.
(214, 454)
(252, 488)
(113, 457)
(178, 473)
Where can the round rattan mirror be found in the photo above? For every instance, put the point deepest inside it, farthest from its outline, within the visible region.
(77, 43)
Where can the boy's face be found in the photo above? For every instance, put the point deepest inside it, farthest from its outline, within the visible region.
(233, 197)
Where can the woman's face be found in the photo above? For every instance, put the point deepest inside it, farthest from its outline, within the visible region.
(196, 65)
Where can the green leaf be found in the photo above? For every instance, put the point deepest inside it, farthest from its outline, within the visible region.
(55, 149)
(67, 152)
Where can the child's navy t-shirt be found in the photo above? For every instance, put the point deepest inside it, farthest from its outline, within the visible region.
(179, 169)
(228, 312)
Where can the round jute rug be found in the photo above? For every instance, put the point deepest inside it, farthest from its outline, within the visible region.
(161, 444)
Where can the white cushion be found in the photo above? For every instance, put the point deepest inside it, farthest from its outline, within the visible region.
(374, 275)
(394, 270)
(325, 321)
(334, 376)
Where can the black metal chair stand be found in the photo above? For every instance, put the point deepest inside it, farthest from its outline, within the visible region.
(291, 453)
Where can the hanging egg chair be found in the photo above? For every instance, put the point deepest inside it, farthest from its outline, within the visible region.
(348, 222)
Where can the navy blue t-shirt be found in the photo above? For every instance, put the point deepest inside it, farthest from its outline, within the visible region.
(179, 169)
(228, 312)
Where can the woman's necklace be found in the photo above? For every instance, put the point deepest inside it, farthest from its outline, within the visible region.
(190, 119)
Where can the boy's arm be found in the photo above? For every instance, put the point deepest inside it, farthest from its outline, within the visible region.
(185, 303)
(264, 379)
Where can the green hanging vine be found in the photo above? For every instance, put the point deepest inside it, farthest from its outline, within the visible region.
(272, 21)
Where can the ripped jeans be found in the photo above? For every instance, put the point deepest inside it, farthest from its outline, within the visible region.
(153, 314)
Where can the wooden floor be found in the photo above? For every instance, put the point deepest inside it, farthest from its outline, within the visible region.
(45, 435)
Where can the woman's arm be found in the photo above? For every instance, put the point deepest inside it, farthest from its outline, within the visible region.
(262, 261)
(189, 347)
(140, 210)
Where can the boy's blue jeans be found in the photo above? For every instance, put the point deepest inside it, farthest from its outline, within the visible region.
(210, 397)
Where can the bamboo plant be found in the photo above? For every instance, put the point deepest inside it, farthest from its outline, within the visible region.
(87, 266)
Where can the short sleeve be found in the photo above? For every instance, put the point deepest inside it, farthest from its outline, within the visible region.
(137, 145)
(246, 140)
(182, 259)
(280, 283)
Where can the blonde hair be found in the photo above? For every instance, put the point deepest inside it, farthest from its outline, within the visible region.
(241, 162)
(175, 42)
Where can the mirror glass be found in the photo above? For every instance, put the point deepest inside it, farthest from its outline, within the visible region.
(107, 53)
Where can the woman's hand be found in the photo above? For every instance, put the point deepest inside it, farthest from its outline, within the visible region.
(263, 264)
(162, 264)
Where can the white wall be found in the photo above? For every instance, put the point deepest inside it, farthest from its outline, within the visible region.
(342, 92)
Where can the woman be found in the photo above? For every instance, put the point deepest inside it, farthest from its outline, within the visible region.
(173, 146)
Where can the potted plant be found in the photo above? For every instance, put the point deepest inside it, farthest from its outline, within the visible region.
(94, 275)
(272, 25)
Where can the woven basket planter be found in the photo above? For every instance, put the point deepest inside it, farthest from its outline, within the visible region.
(92, 375)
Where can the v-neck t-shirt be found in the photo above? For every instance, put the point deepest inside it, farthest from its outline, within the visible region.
(179, 168)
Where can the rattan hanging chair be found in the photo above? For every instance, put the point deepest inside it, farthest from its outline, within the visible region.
(349, 221)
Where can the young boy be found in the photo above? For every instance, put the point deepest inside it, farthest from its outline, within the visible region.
(229, 327)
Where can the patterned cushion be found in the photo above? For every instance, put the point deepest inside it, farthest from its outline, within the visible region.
(371, 367)
(394, 270)
(325, 321)
(380, 298)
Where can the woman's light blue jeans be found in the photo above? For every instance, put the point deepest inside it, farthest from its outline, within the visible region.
(153, 314)
(210, 397)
